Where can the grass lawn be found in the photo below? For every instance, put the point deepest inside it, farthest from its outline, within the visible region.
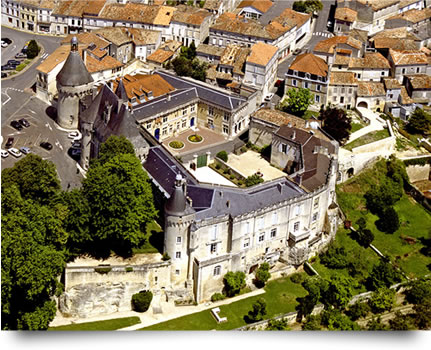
(356, 127)
(368, 138)
(280, 298)
(107, 325)
(415, 222)
(154, 244)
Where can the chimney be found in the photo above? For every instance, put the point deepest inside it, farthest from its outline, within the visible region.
(293, 135)
(168, 97)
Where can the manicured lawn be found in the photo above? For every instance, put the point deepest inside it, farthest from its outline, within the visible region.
(368, 138)
(154, 244)
(356, 127)
(107, 325)
(280, 298)
(415, 223)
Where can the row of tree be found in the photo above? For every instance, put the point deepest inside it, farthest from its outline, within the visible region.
(43, 226)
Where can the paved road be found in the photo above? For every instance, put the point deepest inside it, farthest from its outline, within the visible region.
(18, 102)
(19, 38)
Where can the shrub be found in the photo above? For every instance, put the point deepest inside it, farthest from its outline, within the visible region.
(232, 176)
(195, 138)
(257, 312)
(32, 49)
(129, 269)
(217, 296)
(262, 275)
(382, 300)
(389, 221)
(240, 183)
(297, 278)
(217, 166)
(141, 301)
(277, 325)
(226, 171)
(234, 282)
(103, 270)
(176, 144)
(358, 310)
(20, 67)
(253, 180)
(222, 155)
(166, 257)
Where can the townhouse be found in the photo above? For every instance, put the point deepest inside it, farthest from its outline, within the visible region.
(373, 66)
(419, 88)
(398, 101)
(371, 95)
(310, 72)
(189, 24)
(342, 89)
(44, 16)
(407, 62)
(328, 49)
(412, 19)
(254, 8)
(28, 14)
(345, 20)
(406, 5)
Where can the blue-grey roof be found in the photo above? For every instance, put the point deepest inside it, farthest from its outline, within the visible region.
(212, 201)
(165, 102)
(74, 71)
(213, 96)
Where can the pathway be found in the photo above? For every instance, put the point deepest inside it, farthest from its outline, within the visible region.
(376, 123)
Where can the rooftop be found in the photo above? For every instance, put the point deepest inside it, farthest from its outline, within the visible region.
(290, 18)
(343, 78)
(370, 60)
(377, 5)
(420, 81)
(330, 44)
(371, 88)
(210, 50)
(345, 14)
(260, 5)
(262, 53)
(309, 63)
(405, 99)
(408, 57)
(391, 83)
(278, 117)
(414, 15)
(190, 15)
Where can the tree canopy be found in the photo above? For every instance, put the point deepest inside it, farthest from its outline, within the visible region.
(383, 274)
(112, 147)
(186, 63)
(32, 245)
(307, 6)
(336, 123)
(297, 101)
(234, 282)
(32, 49)
(419, 122)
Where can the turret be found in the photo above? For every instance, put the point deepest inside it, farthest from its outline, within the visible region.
(179, 216)
(74, 83)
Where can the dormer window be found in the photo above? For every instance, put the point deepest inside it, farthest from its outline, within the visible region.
(107, 113)
(307, 75)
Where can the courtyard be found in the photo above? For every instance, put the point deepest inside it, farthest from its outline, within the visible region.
(250, 162)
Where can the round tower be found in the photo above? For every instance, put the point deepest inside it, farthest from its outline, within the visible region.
(74, 83)
(179, 216)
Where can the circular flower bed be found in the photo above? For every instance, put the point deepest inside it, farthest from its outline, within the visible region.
(195, 138)
(176, 144)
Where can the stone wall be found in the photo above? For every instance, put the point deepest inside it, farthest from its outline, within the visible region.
(418, 172)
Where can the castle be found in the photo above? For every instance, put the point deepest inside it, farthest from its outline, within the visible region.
(209, 230)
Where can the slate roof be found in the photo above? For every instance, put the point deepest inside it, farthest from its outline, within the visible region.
(209, 94)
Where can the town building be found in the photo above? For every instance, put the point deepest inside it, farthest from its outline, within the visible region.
(327, 49)
(254, 8)
(373, 66)
(345, 20)
(342, 89)
(371, 95)
(407, 62)
(418, 87)
(311, 72)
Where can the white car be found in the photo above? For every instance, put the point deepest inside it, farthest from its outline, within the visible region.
(3, 44)
(75, 135)
(4, 154)
(25, 150)
(15, 152)
(269, 97)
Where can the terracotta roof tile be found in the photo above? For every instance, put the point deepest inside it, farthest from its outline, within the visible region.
(160, 56)
(345, 14)
(342, 60)
(377, 5)
(73, 8)
(420, 81)
(190, 15)
(210, 50)
(260, 5)
(290, 18)
(57, 57)
(405, 99)
(391, 83)
(394, 43)
(94, 65)
(370, 88)
(414, 15)
(329, 45)
(309, 63)
(343, 78)
(140, 13)
(47, 4)
(278, 117)
(407, 57)
(262, 53)
(370, 60)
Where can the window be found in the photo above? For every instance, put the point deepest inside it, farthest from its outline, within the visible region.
(315, 216)
(164, 131)
(316, 202)
(217, 270)
(148, 125)
(260, 222)
(296, 226)
(417, 69)
(192, 108)
(226, 117)
(283, 148)
(273, 232)
(317, 98)
(294, 82)
(246, 242)
(179, 240)
(383, 72)
(225, 129)
(261, 237)
(297, 210)
(274, 218)
(403, 71)
(184, 123)
(165, 119)
(350, 90)
(246, 227)
(184, 111)
(178, 255)
(213, 233)
(210, 111)
(213, 248)
(318, 87)
(177, 272)
(306, 85)
(343, 90)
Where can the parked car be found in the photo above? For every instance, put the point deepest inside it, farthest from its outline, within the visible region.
(15, 124)
(3, 44)
(4, 154)
(21, 55)
(297, 51)
(7, 67)
(24, 122)
(75, 152)
(4, 75)
(269, 97)
(75, 135)
(13, 62)
(46, 145)
(9, 142)
(25, 150)
(15, 152)
(6, 40)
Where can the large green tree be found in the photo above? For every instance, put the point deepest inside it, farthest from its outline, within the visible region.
(382, 299)
(258, 311)
(32, 49)
(419, 122)
(297, 101)
(233, 282)
(112, 147)
(32, 245)
(383, 274)
(262, 275)
(121, 203)
(339, 292)
(336, 123)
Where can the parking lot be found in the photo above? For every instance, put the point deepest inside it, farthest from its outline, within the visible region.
(42, 128)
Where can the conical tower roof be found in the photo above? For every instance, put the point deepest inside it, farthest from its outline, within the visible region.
(176, 204)
(121, 91)
(74, 72)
